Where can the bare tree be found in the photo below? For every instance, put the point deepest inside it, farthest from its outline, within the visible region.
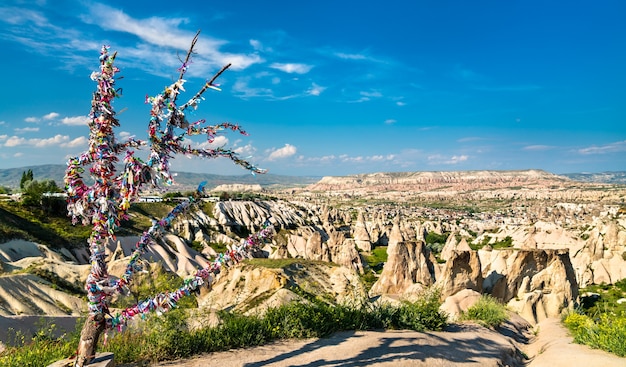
(105, 203)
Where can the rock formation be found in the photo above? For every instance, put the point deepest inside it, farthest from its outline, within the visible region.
(408, 264)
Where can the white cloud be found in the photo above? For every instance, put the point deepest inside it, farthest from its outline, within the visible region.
(371, 94)
(124, 135)
(75, 120)
(18, 154)
(51, 116)
(245, 151)
(390, 121)
(367, 96)
(166, 32)
(359, 57)
(244, 90)
(510, 88)
(287, 151)
(32, 30)
(400, 103)
(256, 44)
(315, 90)
(291, 68)
(55, 140)
(619, 146)
(78, 142)
(366, 159)
(439, 159)
(470, 139)
(26, 130)
(31, 119)
(218, 141)
(2, 123)
(14, 141)
(58, 139)
(346, 56)
(537, 148)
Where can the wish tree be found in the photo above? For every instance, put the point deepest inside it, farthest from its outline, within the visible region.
(106, 201)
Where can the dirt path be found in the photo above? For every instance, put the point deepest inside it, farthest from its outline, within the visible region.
(555, 348)
(467, 345)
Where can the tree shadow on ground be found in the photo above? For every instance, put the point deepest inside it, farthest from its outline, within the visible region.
(472, 345)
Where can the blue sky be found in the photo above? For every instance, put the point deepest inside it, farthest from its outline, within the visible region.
(333, 87)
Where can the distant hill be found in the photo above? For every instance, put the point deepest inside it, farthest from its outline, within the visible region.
(616, 177)
(429, 180)
(10, 177)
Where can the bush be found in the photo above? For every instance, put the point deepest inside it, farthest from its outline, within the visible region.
(607, 332)
(41, 350)
(488, 312)
(435, 241)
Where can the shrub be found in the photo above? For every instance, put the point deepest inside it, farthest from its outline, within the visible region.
(41, 350)
(607, 332)
(488, 312)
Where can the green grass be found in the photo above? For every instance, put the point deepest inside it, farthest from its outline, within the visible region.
(33, 224)
(606, 332)
(55, 228)
(40, 350)
(600, 322)
(377, 258)
(488, 312)
(168, 337)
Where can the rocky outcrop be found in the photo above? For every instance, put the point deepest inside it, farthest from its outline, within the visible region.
(459, 302)
(409, 267)
(360, 234)
(462, 271)
(253, 214)
(535, 283)
(251, 289)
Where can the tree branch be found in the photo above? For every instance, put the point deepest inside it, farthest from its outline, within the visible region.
(206, 86)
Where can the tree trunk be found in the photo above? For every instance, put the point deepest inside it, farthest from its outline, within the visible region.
(89, 337)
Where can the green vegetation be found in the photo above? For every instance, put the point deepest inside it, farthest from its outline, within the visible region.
(168, 336)
(34, 224)
(488, 312)
(600, 322)
(142, 214)
(376, 260)
(435, 241)
(41, 350)
(507, 242)
(606, 332)
(154, 281)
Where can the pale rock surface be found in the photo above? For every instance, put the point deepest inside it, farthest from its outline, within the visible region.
(461, 271)
(360, 234)
(459, 302)
(536, 283)
(253, 289)
(27, 294)
(407, 263)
